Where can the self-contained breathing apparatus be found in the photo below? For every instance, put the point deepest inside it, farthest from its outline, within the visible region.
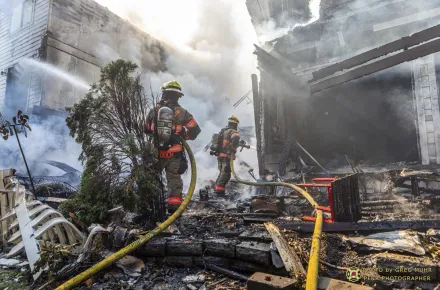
(165, 118)
(164, 131)
(216, 143)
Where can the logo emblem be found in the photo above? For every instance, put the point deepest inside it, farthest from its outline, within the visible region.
(353, 274)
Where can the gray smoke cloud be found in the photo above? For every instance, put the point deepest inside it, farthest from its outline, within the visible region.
(269, 30)
(210, 52)
(49, 137)
(48, 140)
(211, 56)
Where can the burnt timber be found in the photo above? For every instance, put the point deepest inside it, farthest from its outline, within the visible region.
(360, 81)
(370, 68)
(401, 44)
(378, 226)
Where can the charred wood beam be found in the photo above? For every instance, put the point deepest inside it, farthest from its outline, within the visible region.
(423, 189)
(227, 272)
(415, 186)
(274, 66)
(403, 43)
(348, 227)
(381, 207)
(382, 202)
(379, 65)
(363, 226)
(258, 120)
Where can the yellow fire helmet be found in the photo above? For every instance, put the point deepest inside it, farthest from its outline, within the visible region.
(172, 86)
(233, 119)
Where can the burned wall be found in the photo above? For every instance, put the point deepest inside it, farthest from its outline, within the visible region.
(282, 12)
(371, 119)
(389, 116)
(347, 28)
(22, 27)
(93, 29)
(60, 93)
(82, 37)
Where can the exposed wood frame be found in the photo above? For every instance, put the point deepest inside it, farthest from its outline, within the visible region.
(379, 65)
(388, 48)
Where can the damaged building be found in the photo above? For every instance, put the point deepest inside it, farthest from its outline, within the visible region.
(78, 37)
(361, 81)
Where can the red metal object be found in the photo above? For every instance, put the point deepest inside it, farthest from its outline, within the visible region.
(312, 219)
(330, 198)
(314, 185)
(324, 208)
(324, 179)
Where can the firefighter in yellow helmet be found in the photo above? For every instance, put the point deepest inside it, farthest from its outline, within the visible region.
(168, 123)
(229, 141)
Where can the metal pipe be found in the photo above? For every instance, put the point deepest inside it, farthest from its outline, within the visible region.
(25, 162)
(311, 157)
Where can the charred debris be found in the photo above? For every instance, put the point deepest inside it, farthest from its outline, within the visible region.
(376, 218)
(374, 221)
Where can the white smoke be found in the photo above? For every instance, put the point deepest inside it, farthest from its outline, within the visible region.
(48, 140)
(268, 30)
(211, 55)
(212, 58)
(55, 73)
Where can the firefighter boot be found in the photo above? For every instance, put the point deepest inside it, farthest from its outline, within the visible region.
(173, 204)
(220, 190)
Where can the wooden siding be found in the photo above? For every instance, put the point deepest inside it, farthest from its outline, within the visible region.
(26, 42)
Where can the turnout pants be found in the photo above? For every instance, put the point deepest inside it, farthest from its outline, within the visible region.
(224, 176)
(174, 180)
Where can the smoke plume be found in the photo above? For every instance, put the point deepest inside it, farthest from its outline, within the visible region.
(212, 58)
(210, 53)
(269, 30)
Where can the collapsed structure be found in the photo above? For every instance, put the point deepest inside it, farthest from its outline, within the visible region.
(361, 81)
(326, 89)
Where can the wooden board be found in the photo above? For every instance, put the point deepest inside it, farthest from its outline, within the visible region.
(376, 66)
(4, 206)
(393, 46)
(290, 258)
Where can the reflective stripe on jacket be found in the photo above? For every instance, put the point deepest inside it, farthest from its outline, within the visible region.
(230, 143)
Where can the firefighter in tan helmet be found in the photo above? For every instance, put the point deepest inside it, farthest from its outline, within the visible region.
(223, 145)
(169, 122)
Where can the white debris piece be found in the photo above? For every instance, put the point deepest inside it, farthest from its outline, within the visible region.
(397, 241)
(27, 232)
(9, 263)
(131, 266)
(26, 222)
(194, 279)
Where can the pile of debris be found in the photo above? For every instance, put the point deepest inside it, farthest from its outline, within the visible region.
(232, 242)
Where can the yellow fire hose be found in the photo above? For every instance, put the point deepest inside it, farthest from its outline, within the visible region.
(136, 244)
(313, 268)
